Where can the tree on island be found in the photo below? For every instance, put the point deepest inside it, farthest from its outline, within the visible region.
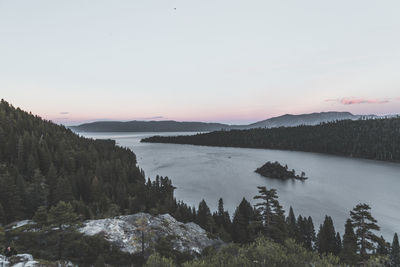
(276, 170)
(364, 224)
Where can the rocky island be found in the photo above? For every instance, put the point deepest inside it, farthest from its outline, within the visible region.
(276, 170)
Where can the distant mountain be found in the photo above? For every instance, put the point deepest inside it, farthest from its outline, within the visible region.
(149, 126)
(290, 120)
(287, 120)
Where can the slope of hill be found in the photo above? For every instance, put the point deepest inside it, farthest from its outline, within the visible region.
(289, 120)
(42, 163)
(370, 139)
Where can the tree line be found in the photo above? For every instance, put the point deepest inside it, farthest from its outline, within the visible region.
(377, 139)
(359, 243)
(264, 226)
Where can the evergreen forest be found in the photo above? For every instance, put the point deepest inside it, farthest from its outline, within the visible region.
(377, 139)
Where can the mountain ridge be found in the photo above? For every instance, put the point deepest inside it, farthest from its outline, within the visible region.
(286, 120)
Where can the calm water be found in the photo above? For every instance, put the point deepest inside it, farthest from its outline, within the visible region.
(335, 184)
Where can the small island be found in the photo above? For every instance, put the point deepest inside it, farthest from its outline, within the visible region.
(276, 170)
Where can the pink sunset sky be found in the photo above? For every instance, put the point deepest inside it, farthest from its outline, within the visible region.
(227, 61)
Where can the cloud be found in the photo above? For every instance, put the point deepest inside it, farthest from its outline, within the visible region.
(359, 100)
(332, 100)
(354, 101)
(64, 112)
(154, 118)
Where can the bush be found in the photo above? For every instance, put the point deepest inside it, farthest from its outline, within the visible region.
(156, 260)
(264, 252)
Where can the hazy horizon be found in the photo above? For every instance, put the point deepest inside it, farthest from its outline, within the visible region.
(165, 119)
(229, 61)
(233, 122)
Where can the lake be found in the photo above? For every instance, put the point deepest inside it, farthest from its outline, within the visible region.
(335, 184)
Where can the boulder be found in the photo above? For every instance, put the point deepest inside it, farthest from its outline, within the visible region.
(126, 232)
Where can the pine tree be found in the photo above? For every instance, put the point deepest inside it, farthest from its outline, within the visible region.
(279, 231)
(51, 181)
(40, 216)
(239, 228)
(338, 247)
(293, 230)
(61, 215)
(223, 222)
(383, 247)
(221, 209)
(2, 216)
(272, 214)
(2, 237)
(20, 153)
(219, 215)
(306, 232)
(37, 192)
(349, 252)
(204, 218)
(301, 228)
(10, 198)
(309, 237)
(63, 191)
(2, 142)
(241, 224)
(364, 224)
(326, 239)
(145, 238)
(32, 165)
(395, 252)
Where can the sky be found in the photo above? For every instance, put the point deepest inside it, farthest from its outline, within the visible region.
(224, 61)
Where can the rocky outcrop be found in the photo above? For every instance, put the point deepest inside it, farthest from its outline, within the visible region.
(126, 232)
(21, 224)
(26, 260)
(19, 260)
